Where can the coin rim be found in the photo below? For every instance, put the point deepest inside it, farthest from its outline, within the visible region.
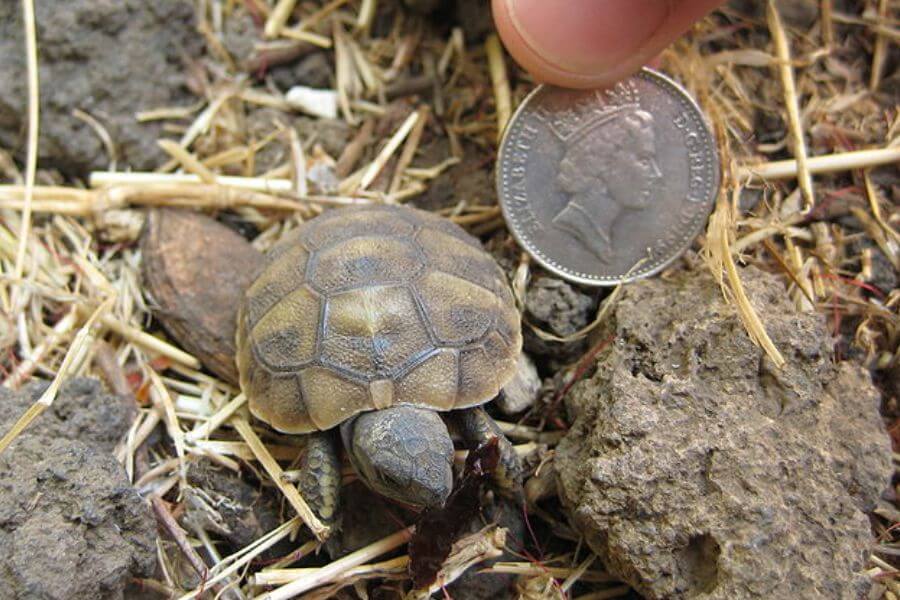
(610, 281)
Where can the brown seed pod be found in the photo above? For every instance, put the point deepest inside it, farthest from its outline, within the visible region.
(195, 271)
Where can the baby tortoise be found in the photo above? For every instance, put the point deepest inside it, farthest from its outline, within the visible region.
(374, 320)
(370, 320)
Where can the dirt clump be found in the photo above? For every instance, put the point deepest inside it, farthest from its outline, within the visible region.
(71, 526)
(697, 469)
(221, 502)
(561, 309)
(476, 585)
(108, 59)
(82, 411)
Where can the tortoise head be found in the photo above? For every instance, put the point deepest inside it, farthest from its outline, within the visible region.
(402, 452)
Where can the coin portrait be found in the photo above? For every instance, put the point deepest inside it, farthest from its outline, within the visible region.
(607, 186)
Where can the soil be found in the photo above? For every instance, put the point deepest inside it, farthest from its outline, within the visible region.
(466, 181)
(693, 467)
(364, 518)
(560, 308)
(696, 469)
(108, 59)
(71, 525)
(82, 411)
(222, 502)
(490, 586)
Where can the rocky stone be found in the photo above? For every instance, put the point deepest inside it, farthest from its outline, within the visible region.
(82, 411)
(559, 305)
(108, 59)
(697, 469)
(71, 526)
(560, 308)
(522, 391)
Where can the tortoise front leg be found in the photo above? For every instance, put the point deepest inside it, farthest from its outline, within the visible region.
(477, 428)
(320, 476)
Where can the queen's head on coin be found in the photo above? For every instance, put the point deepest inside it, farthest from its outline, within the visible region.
(609, 166)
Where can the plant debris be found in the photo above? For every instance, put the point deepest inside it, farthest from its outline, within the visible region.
(439, 528)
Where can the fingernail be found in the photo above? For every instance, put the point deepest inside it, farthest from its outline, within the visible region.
(587, 36)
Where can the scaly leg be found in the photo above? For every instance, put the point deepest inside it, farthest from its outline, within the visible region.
(477, 428)
(320, 476)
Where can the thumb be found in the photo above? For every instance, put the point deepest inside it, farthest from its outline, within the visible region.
(591, 43)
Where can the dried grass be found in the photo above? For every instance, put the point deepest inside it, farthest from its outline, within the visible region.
(428, 107)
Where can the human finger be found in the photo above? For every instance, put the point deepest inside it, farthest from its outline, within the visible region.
(591, 43)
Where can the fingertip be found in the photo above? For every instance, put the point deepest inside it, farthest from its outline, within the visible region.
(586, 43)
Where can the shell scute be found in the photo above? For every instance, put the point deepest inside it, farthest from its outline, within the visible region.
(342, 225)
(332, 398)
(451, 255)
(284, 407)
(459, 311)
(435, 378)
(281, 276)
(477, 378)
(366, 261)
(285, 337)
(374, 331)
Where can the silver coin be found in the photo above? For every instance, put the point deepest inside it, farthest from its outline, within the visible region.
(607, 186)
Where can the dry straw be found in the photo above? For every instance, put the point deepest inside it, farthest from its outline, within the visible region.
(804, 195)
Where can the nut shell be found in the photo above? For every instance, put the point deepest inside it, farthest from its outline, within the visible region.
(370, 307)
(195, 271)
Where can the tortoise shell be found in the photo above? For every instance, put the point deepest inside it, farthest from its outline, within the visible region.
(370, 307)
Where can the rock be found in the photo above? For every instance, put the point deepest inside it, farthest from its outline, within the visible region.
(71, 526)
(696, 469)
(559, 305)
(109, 59)
(521, 392)
(82, 411)
(560, 308)
(197, 300)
